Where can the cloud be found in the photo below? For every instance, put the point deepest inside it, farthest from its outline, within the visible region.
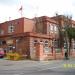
(8, 2)
(9, 8)
(48, 7)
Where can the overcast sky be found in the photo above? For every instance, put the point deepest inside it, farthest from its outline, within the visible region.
(32, 8)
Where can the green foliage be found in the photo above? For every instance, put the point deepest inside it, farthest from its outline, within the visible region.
(71, 32)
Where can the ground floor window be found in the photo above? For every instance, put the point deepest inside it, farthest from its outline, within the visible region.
(11, 48)
(35, 42)
(73, 44)
(56, 44)
(46, 45)
(65, 45)
(2, 42)
(47, 48)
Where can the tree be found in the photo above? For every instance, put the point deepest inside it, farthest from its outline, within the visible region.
(67, 22)
(61, 38)
(71, 32)
(71, 35)
(66, 32)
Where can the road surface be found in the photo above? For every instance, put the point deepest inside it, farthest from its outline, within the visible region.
(57, 67)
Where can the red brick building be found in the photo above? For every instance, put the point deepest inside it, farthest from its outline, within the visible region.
(38, 38)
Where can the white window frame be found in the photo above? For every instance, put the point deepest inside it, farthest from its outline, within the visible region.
(46, 43)
(73, 43)
(51, 27)
(46, 47)
(55, 28)
(11, 28)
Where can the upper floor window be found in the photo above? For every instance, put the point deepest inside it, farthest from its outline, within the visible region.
(65, 45)
(55, 28)
(73, 25)
(11, 28)
(51, 27)
(1, 31)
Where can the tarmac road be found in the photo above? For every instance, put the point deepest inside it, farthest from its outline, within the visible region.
(27, 67)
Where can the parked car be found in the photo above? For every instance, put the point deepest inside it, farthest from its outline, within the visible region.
(1, 53)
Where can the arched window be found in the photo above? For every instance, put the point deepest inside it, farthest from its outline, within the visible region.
(41, 41)
(55, 43)
(46, 47)
(35, 41)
